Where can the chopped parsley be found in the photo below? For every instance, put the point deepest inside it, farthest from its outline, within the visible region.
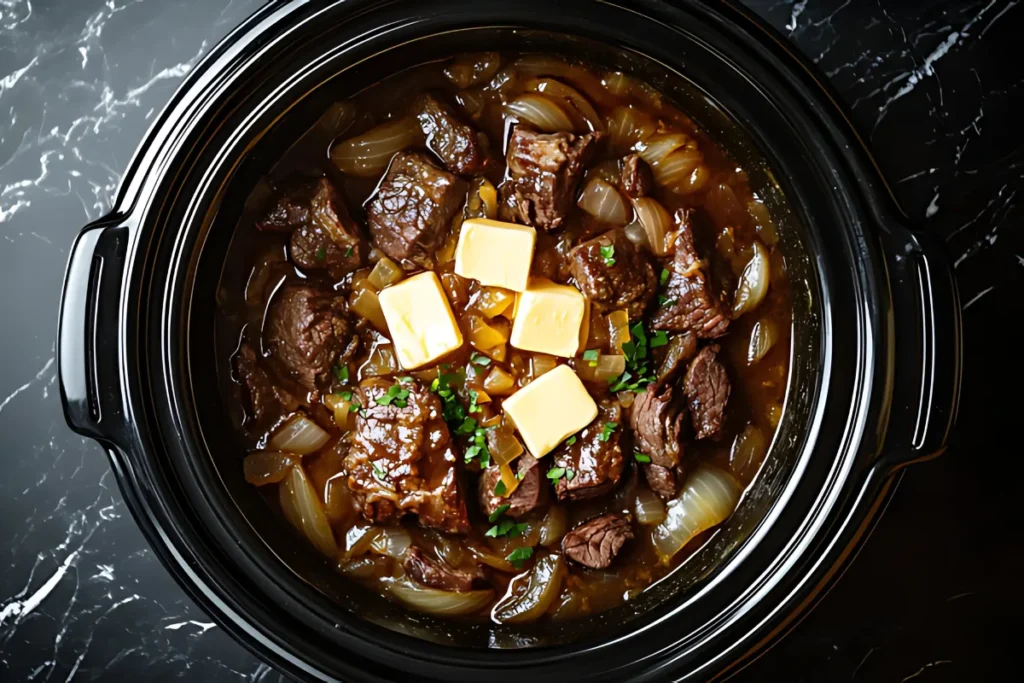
(378, 472)
(345, 395)
(569, 474)
(500, 489)
(395, 395)
(571, 440)
(641, 457)
(479, 359)
(498, 512)
(478, 450)
(467, 426)
(591, 356)
(606, 431)
(506, 527)
(348, 252)
(659, 338)
(444, 385)
(663, 278)
(321, 254)
(665, 301)
(556, 473)
(341, 372)
(473, 397)
(520, 555)
(638, 373)
(608, 254)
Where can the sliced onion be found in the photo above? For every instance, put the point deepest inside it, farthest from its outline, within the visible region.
(530, 595)
(338, 118)
(438, 602)
(676, 171)
(580, 78)
(364, 567)
(707, 499)
(557, 89)
(542, 112)
(499, 382)
(338, 500)
(753, 282)
(619, 323)
(656, 221)
(484, 334)
(472, 102)
(649, 508)
(540, 364)
(304, 510)
(449, 550)
(485, 555)
(267, 467)
(627, 127)
(341, 410)
(392, 542)
(748, 452)
(365, 304)
(762, 339)
(554, 527)
(602, 201)
(503, 445)
(300, 436)
(657, 147)
(471, 69)
(618, 83)
(359, 538)
(607, 367)
(482, 201)
(385, 273)
(694, 182)
(636, 234)
(762, 222)
(370, 153)
(381, 361)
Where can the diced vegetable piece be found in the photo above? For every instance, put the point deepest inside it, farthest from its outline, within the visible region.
(365, 304)
(341, 409)
(530, 595)
(484, 335)
(656, 222)
(385, 273)
(303, 509)
(607, 368)
(493, 301)
(381, 361)
(540, 364)
(499, 382)
(602, 201)
(368, 154)
(267, 467)
(300, 436)
(619, 322)
(508, 478)
(554, 527)
(392, 542)
(504, 445)
(438, 602)
(498, 352)
(708, 498)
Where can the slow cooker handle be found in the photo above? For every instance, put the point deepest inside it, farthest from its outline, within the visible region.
(87, 339)
(928, 350)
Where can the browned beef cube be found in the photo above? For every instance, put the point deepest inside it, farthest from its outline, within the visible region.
(402, 460)
(267, 401)
(413, 208)
(544, 171)
(691, 305)
(308, 332)
(593, 463)
(527, 496)
(596, 542)
(662, 480)
(617, 277)
(707, 388)
(659, 420)
(432, 573)
(637, 179)
(457, 144)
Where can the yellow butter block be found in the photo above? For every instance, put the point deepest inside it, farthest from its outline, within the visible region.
(496, 254)
(548, 318)
(420, 320)
(549, 409)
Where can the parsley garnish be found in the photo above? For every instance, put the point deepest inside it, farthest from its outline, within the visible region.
(479, 359)
(479, 449)
(321, 254)
(467, 426)
(498, 512)
(571, 440)
(569, 474)
(500, 489)
(663, 278)
(556, 473)
(591, 357)
(520, 555)
(606, 431)
(637, 374)
(345, 395)
(396, 395)
(473, 407)
(665, 301)
(460, 423)
(378, 472)
(348, 252)
(608, 254)
(641, 457)
(659, 338)
(341, 372)
(507, 527)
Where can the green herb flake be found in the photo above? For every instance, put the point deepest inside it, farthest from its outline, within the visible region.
(663, 278)
(479, 359)
(606, 431)
(517, 530)
(321, 254)
(378, 472)
(498, 512)
(348, 252)
(569, 474)
(341, 372)
(608, 254)
(500, 489)
(395, 395)
(640, 457)
(520, 555)
(556, 473)
(659, 338)
(571, 440)
(473, 397)
(591, 356)
(468, 426)
(345, 395)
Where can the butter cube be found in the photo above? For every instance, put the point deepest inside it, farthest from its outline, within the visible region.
(420, 319)
(495, 253)
(550, 408)
(548, 318)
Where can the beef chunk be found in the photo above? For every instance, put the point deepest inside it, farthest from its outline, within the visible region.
(637, 179)
(623, 280)
(308, 332)
(596, 542)
(435, 573)
(681, 348)
(526, 497)
(593, 466)
(659, 422)
(707, 388)
(402, 460)
(410, 215)
(324, 236)
(544, 170)
(454, 142)
(691, 304)
(267, 401)
(661, 480)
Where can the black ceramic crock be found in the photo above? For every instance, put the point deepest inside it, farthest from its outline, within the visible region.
(874, 371)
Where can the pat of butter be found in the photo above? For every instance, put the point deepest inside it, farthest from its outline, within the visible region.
(549, 409)
(420, 320)
(548, 318)
(496, 254)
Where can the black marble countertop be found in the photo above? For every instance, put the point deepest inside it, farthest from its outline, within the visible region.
(937, 89)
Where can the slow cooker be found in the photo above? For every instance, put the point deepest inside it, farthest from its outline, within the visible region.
(875, 363)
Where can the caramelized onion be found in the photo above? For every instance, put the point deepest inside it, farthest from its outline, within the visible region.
(753, 284)
(391, 542)
(472, 69)
(338, 118)
(656, 221)
(359, 538)
(554, 527)
(602, 201)
(382, 361)
(370, 153)
(484, 334)
(636, 234)
(649, 508)
(707, 499)
(363, 567)
(627, 127)
(438, 602)
(504, 445)
(385, 273)
(656, 148)
(762, 339)
(530, 595)
(303, 509)
(748, 452)
(365, 304)
(606, 368)
(557, 89)
(300, 436)
(267, 467)
(541, 111)
(580, 78)
(619, 322)
(499, 382)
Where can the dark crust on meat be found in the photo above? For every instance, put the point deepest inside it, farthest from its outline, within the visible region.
(411, 213)
(457, 144)
(659, 423)
(527, 496)
(596, 465)
(707, 389)
(693, 305)
(596, 542)
(662, 480)
(630, 283)
(266, 400)
(402, 460)
(544, 171)
(637, 178)
(308, 332)
(432, 573)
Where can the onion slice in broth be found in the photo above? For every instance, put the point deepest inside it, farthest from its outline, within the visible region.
(707, 499)
(753, 284)
(438, 602)
(531, 594)
(300, 436)
(304, 510)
